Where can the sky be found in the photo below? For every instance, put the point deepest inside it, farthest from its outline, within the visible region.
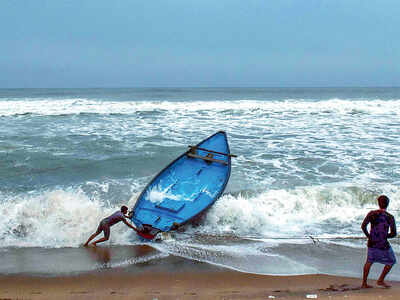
(179, 43)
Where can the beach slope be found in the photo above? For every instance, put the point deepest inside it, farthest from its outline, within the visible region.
(119, 284)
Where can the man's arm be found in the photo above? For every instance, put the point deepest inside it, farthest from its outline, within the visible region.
(393, 231)
(129, 225)
(364, 226)
(129, 215)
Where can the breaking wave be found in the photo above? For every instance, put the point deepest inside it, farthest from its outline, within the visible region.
(65, 218)
(63, 107)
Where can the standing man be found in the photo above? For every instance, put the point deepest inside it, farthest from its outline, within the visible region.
(106, 223)
(383, 227)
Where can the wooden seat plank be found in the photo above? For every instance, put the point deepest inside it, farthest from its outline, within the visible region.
(212, 151)
(207, 158)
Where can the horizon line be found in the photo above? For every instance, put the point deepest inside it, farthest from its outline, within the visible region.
(205, 87)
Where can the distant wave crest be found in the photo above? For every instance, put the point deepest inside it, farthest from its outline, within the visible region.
(59, 107)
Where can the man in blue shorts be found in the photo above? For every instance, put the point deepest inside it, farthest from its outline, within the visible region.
(383, 227)
(106, 223)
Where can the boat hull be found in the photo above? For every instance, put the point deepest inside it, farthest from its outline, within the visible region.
(185, 188)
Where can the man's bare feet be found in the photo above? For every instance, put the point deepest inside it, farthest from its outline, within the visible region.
(366, 286)
(383, 284)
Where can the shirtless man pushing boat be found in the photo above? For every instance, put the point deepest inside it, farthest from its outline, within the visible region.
(106, 223)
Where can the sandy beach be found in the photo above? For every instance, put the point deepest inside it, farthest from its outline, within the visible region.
(118, 284)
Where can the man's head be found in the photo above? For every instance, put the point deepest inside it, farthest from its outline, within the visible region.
(383, 201)
(124, 209)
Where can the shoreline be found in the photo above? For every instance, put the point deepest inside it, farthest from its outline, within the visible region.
(211, 284)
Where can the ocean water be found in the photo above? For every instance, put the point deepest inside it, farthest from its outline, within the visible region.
(310, 162)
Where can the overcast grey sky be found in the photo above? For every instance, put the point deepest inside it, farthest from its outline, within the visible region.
(103, 43)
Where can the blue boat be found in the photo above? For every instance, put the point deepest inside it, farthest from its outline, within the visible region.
(185, 188)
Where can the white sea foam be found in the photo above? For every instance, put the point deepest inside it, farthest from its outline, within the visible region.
(66, 218)
(251, 257)
(138, 260)
(255, 107)
(157, 194)
(58, 218)
(303, 211)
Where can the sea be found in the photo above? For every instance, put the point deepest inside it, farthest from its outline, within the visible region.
(310, 164)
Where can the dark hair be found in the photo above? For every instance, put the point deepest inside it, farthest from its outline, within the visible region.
(123, 207)
(383, 201)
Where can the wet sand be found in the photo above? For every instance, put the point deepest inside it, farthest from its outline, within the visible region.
(142, 272)
(219, 284)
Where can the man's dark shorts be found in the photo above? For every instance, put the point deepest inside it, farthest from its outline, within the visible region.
(383, 256)
(103, 226)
